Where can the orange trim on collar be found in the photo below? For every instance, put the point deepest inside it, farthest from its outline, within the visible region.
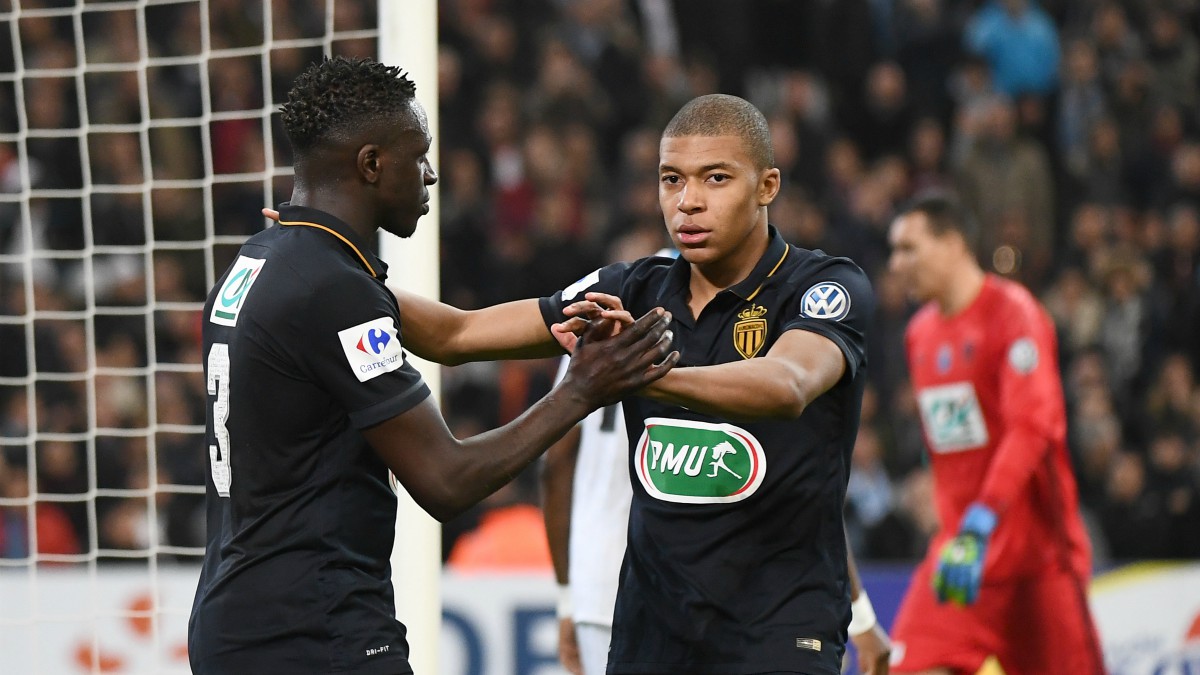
(772, 272)
(344, 240)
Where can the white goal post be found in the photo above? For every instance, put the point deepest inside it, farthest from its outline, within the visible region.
(137, 140)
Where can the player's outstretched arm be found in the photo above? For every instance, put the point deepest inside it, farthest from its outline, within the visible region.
(445, 475)
(443, 334)
(799, 367)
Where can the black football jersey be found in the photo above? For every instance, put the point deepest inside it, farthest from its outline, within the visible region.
(302, 350)
(736, 560)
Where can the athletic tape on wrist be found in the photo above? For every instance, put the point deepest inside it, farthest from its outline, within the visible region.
(563, 608)
(862, 615)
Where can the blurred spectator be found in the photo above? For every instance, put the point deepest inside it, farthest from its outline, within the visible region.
(928, 50)
(883, 121)
(1020, 42)
(1173, 54)
(927, 156)
(1077, 310)
(1117, 44)
(1133, 519)
(1124, 327)
(52, 527)
(1081, 105)
(1006, 182)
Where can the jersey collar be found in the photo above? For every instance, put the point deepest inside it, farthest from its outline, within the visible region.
(748, 288)
(768, 264)
(303, 216)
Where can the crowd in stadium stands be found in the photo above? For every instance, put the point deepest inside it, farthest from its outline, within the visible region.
(1070, 128)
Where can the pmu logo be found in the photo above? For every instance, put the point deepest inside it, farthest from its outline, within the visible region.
(374, 341)
(826, 300)
(692, 462)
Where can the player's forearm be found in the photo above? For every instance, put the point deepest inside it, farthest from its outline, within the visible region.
(852, 568)
(558, 477)
(480, 465)
(443, 334)
(745, 390)
(1019, 455)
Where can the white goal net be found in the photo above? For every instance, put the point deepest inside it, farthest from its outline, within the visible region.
(137, 143)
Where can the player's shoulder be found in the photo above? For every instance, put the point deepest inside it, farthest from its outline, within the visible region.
(924, 320)
(814, 276)
(298, 269)
(801, 260)
(802, 268)
(1012, 301)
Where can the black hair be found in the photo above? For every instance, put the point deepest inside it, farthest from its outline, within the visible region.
(335, 96)
(944, 213)
(725, 115)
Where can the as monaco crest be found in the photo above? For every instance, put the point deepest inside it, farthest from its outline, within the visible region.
(750, 332)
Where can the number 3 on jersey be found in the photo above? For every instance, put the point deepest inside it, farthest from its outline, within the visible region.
(218, 385)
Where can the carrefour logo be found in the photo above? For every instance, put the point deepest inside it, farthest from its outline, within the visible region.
(373, 341)
(826, 300)
(372, 348)
(693, 462)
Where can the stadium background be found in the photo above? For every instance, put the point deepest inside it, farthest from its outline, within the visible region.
(137, 143)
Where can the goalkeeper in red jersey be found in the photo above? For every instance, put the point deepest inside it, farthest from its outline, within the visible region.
(1006, 576)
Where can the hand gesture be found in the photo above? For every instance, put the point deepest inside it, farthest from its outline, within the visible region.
(607, 365)
(594, 306)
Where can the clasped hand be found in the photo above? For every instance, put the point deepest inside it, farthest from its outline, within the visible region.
(593, 307)
(615, 362)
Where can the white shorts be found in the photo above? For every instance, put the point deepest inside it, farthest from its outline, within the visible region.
(593, 639)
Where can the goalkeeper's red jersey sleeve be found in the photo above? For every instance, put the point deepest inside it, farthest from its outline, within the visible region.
(990, 394)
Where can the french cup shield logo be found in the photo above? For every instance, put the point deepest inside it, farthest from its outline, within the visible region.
(691, 462)
(232, 296)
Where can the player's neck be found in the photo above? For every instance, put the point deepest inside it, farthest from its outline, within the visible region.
(963, 287)
(708, 279)
(335, 204)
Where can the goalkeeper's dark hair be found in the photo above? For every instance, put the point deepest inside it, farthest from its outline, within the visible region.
(336, 96)
(725, 115)
(944, 213)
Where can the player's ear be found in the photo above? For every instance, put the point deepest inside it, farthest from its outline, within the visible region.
(368, 162)
(768, 186)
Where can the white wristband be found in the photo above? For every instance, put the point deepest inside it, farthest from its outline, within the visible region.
(862, 615)
(563, 609)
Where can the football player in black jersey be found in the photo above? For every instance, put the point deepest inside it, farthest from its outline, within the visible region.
(737, 560)
(312, 400)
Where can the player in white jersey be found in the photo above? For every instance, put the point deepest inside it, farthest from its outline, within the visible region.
(586, 480)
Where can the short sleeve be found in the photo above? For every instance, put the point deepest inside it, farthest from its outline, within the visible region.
(835, 300)
(352, 346)
(610, 279)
